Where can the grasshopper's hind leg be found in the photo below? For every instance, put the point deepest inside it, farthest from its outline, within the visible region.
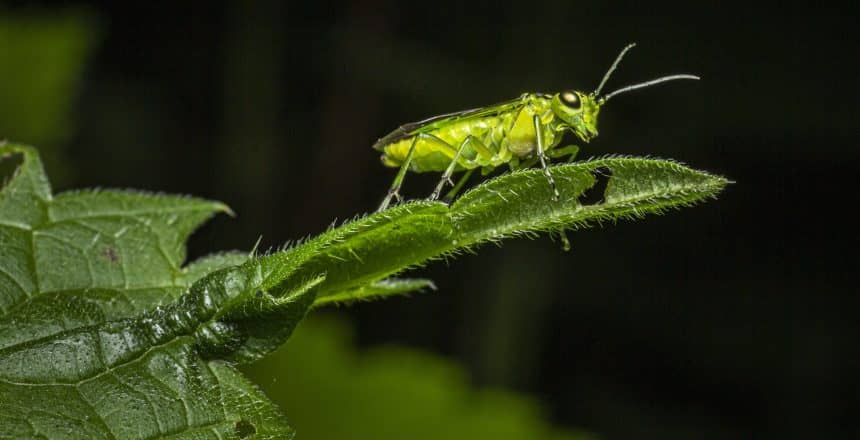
(460, 184)
(393, 192)
(430, 141)
(543, 159)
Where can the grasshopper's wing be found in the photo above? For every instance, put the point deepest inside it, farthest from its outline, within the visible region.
(430, 124)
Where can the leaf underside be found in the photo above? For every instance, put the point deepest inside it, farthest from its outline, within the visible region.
(105, 334)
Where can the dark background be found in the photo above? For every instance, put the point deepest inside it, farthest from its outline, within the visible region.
(734, 319)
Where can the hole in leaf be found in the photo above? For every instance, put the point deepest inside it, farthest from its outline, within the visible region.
(245, 429)
(8, 165)
(595, 194)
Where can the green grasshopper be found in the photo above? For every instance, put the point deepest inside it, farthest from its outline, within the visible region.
(519, 133)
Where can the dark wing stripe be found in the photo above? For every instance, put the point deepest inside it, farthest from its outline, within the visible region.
(430, 124)
(407, 130)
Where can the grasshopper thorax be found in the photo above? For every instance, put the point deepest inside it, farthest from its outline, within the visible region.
(577, 112)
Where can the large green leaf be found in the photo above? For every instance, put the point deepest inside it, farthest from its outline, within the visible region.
(104, 334)
(100, 334)
(372, 248)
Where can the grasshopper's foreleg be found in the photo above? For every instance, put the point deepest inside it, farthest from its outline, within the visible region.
(543, 159)
(393, 192)
(572, 150)
(446, 176)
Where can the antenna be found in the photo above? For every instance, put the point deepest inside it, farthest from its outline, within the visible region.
(645, 84)
(613, 67)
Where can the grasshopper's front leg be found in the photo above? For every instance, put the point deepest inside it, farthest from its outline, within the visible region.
(571, 150)
(543, 159)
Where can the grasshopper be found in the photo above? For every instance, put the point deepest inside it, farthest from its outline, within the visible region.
(518, 133)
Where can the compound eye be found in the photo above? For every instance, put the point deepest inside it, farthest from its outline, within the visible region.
(571, 99)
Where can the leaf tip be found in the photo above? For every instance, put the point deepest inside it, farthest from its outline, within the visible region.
(223, 207)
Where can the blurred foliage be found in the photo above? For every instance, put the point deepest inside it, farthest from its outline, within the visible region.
(330, 390)
(42, 59)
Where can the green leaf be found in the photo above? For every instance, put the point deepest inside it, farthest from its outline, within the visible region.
(100, 334)
(379, 289)
(520, 203)
(375, 247)
(89, 239)
(104, 333)
(210, 263)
